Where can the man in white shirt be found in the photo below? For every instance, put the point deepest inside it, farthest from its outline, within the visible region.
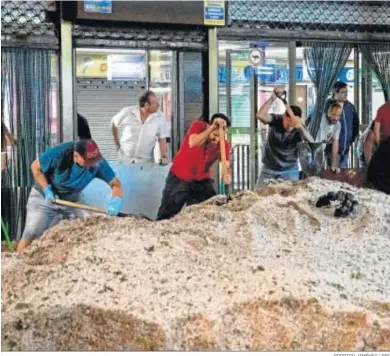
(329, 132)
(142, 125)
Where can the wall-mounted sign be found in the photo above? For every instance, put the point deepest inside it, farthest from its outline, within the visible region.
(347, 75)
(173, 12)
(267, 73)
(274, 73)
(256, 56)
(214, 12)
(91, 65)
(98, 6)
(126, 67)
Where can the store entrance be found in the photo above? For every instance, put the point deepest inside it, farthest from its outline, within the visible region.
(108, 79)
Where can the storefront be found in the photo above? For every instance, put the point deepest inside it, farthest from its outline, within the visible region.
(121, 49)
(113, 76)
(264, 46)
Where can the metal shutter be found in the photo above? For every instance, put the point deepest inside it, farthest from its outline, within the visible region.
(193, 91)
(99, 100)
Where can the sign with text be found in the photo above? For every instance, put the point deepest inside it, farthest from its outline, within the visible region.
(91, 65)
(214, 12)
(126, 67)
(98, 6)
(155, 12)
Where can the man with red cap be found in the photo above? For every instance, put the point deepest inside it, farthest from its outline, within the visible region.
(62, 172)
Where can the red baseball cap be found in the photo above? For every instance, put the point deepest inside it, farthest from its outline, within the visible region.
(89, 150)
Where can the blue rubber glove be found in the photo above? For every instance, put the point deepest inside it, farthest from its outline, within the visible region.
(114, 206)
(49, 195)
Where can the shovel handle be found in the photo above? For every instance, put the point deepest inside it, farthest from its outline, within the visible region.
(222, 148)
(294, 118)
(79, 206)
(90, 208)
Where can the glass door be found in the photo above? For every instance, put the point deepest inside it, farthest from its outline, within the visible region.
(248, 73)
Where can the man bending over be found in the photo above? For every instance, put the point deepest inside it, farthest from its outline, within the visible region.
(62, 172)
(189, 180)
(329, 134)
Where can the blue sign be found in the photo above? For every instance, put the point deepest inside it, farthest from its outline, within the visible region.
(213, 14)
(347, 75)
(99, 6)
(269, 73)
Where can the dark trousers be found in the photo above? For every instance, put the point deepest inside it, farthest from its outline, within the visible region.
(178, 192)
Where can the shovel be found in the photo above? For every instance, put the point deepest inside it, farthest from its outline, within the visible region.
(93, 209)
(223, 199)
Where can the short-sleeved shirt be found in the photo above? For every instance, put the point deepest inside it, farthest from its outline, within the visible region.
(328, 132)
(383, 117)
(66, 177)
(194, 163)
(138, 138)
(281, 147)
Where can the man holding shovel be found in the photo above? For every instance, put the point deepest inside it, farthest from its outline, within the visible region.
(63, 172)
(189, 180)
(286, 131)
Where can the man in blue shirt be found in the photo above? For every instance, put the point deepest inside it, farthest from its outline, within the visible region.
(62, 172)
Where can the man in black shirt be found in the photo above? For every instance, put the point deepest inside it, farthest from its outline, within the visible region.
(378, 173)
(280, 159)
(83, 128)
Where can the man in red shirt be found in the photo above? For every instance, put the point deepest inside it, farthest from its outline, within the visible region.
(382, 123)
(189, 180)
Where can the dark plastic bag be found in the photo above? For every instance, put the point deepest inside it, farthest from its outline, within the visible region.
(311, 157)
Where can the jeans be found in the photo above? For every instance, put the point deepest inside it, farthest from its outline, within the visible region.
(268, 173)
(343, 159)
(177, 193)
(41, 215)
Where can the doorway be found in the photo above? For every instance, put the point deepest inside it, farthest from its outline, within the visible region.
(248, 74)
(108, 79)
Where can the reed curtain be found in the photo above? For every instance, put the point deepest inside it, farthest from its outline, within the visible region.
(378, 59)
(27, 108)
(324, 63)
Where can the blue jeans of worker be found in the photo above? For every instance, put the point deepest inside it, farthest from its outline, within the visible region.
(41, 215)
(268, 173)
(343, 159)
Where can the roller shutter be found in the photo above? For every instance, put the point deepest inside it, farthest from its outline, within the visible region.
(99, 100)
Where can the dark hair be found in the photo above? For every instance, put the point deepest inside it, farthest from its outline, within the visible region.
(339, 85)
(334, 106)
(145, 98)
(296, 111)
(220, 116)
